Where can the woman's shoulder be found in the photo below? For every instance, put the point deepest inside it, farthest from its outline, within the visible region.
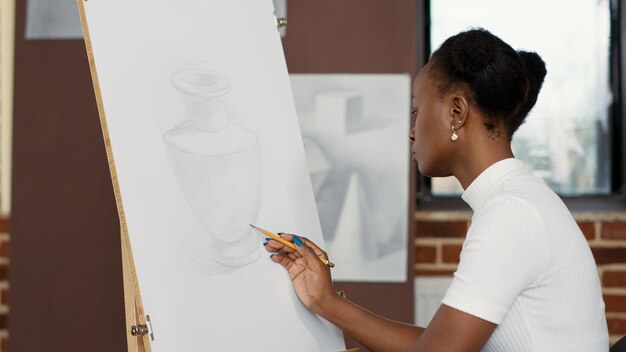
(510, 205)
(512, 215)
(526, 194)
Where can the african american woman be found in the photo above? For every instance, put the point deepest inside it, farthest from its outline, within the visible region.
(526, 280)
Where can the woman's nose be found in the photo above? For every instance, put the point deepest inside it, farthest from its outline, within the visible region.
(412, 135)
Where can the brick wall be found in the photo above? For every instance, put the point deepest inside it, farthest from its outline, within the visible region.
(4, 283)
(439, 237)
(438, 242)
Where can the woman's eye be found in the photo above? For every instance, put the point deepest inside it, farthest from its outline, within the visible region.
(413, 111)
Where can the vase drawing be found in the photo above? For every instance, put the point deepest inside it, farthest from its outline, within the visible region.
(218, 167)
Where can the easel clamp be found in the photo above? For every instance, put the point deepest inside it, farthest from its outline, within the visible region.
(143, 329)
(280, 22)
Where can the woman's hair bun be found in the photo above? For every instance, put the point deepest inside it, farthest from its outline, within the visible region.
(535, 67)
(535, 74)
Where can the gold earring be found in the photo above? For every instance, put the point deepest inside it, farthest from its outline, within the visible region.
(454, 136)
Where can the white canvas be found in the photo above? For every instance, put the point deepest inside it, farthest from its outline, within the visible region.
(355, 129)
(206, 141)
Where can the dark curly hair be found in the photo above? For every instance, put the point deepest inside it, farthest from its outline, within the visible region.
(504, 83)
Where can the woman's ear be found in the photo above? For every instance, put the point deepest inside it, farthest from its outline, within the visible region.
(459, 109)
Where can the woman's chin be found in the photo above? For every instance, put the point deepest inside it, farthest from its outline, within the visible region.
(426, 168)
(427, 171)
(422, 170)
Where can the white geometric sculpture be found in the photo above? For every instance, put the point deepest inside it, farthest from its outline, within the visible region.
(338, 111)
(352, 239)
(318, 164)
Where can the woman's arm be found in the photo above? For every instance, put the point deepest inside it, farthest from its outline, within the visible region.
(313, 285)
(372, 331)
(450, 329)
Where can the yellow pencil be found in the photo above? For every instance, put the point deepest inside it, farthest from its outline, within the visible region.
(288, 244)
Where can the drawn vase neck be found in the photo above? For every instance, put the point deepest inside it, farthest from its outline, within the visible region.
(203, 92)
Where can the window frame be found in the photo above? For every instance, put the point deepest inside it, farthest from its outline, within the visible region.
(616, 200)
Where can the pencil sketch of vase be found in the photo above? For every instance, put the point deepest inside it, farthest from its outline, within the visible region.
(218, 168)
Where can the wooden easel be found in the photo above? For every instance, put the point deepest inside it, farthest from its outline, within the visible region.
(135, 317)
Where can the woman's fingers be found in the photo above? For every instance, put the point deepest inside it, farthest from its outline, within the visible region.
(312, 258)
(278, 248)
(275, 246)
(282, 260)
(289, 237)
(294, 266)
(293, 256)
(318, 251)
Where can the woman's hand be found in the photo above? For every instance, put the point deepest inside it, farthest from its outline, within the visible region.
(310, 277)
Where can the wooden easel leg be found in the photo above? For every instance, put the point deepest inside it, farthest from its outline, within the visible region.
(132, 299)
(134, 311)
(129, 302)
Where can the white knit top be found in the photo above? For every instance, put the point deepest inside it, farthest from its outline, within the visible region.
(526, 266)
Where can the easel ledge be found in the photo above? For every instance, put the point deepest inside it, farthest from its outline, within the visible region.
(133, 305)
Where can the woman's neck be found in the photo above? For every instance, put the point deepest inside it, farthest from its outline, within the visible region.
(477, 157)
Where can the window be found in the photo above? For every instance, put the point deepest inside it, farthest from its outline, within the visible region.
(572, 138)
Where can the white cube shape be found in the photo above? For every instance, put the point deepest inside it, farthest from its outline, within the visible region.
(338, 112)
